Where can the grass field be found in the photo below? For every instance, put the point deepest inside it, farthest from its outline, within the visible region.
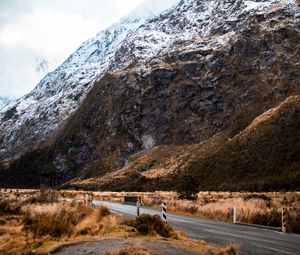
(38, 221)
(255, 208)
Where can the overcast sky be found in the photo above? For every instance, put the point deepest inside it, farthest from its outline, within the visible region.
(36, 36)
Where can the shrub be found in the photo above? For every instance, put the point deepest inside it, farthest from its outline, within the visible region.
(187, 187)
(47, 196)
(103, 212)
(257, 196)
(9, 207)
(146, 224)
(85, 231)
(55, 225)
(270, 218)
(292, 220)
(231, 249)
(193, 209)
(59, 223)
(130, 251)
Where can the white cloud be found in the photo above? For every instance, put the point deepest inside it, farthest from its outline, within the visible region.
(51, 30)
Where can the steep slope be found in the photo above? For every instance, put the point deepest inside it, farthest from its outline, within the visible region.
(5, 101)
(200, 25)
(265, 156)
(200, 68)
(37, 116)
(262, 157)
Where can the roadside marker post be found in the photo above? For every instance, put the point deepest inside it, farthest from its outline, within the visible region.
(283, 220)
(164, 212)
(91, 199)
(234, 215)
(86, 199)
(137, 208)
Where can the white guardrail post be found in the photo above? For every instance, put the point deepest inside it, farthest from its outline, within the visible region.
(164, 212)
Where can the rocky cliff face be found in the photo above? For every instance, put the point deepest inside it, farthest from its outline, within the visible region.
(36, 117)
(200, 68)
(262, 157)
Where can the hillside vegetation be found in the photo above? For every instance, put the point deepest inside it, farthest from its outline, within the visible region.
(188, 110)
(262, 157)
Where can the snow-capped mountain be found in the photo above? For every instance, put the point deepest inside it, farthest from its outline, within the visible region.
(4, 101)
(60, 92)
(203, 29)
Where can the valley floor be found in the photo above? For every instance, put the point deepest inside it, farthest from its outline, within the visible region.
(263, 208)
(41, 222)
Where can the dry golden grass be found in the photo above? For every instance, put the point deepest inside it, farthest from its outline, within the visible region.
(231, 249)
(254, 208)
(130, 251)
(159, 162)
(38, 227)
(35, 227)
(257, 208)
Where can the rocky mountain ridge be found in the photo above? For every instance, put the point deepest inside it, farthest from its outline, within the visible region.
(229, 161)
(191, 24)
(4, 101)
(34, 117)
(198, 69)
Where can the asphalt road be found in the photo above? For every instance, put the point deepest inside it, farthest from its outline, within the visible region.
(251, 240)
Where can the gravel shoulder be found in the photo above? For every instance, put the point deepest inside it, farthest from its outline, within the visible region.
(155, 247)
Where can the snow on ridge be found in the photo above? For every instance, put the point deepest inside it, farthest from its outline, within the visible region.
(6, 102)
(60, 92)
(141, 37)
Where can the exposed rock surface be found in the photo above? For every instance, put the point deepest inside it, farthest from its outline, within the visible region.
(200, 68)
(262, 157)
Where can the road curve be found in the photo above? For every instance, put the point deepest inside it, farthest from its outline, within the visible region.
(253, 241)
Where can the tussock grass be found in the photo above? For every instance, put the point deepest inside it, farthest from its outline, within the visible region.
(60, 221)
(257, 208)
(130, 251)
(152, 224)
(231, 249)
(30, 227)
(9, 207)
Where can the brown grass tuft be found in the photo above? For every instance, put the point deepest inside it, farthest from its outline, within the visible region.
(148, 224)
(231, 249)
(130, 251)
(56, 223)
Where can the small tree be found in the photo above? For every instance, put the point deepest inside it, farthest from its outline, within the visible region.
(187, 186)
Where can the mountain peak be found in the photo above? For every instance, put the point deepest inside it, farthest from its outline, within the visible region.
(180, 77)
